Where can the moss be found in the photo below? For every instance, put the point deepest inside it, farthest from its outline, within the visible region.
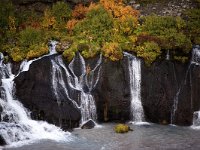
(121, 128)
(182, 59)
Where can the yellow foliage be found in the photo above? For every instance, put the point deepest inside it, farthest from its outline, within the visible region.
(112, 51)
(49, 21)
(11, 23)
(79, 11)
(37, 51)
(118, 9)
(70, 24)
(17, 55)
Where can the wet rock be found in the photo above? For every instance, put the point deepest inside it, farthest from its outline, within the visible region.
(88, 125)
(2, 141)
(35, 90)
(136, 6)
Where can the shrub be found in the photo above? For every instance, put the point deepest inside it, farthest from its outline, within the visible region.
(61, 11)
(17, 55)
(193, 25)
(118, 9)
(79, 11)
(30, 36)
(96, 27)
(37, 51)
(112, 51)
(6, 11)
(169, 31)
(149, 51)
(121, 128)
(70, 53)
(49, 21)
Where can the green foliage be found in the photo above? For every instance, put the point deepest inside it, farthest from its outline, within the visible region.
(96, 27)
(193, 24)
(112, 51)
(6, 10)
(61, 11)
(30, 36)
(37, 51)
(182, 59)
(121, 128)
(170, 31)
(149, 51)
(106, 27)
(70, 53)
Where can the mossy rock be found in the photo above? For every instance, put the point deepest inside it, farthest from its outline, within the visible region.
(122, 128)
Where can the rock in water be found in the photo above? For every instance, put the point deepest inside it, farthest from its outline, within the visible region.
(88, 125)
(2, 141)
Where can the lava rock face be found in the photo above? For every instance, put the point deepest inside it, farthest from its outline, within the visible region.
(165, 82)
(112, 93)
(161, 84)
(34, 89)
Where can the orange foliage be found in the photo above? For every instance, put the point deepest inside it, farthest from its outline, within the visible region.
(79, 11)
(71, 23)
(49, 21)
(118, 9)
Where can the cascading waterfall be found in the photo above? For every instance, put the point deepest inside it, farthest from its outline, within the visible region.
(195, 60)
(16, 126)
(88, 107)
(58, 80)
(134, 66)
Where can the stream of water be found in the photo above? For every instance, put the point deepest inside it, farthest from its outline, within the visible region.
(146, 137)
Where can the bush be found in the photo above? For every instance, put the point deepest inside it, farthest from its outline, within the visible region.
(193, 25)
(6, 11)
(121, 128)
(149, 51)
(61, 11)
(36, 51)
(169, 31)
(30, 36)
(96, 27)
(112, 51)
(17, 55)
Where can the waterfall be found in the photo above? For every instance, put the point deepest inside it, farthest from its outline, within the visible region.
(88, 78)
(58, 80)
(167, 55)
(16, 126)
(134, 66)
(195, 60)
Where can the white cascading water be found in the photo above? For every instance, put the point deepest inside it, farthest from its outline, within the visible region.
(58, 80)
(134, 66)
(16, 126)
(196, 60)
(88, 107)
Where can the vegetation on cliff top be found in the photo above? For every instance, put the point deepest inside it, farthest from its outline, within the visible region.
(108, 27)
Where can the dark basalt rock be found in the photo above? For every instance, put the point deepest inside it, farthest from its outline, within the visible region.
(88, 125)
(2, 141)
(34, 89)
(160, 84)
(112, 93)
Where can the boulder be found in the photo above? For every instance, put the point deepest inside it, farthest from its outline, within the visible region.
(2, 141)
(88, 125)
